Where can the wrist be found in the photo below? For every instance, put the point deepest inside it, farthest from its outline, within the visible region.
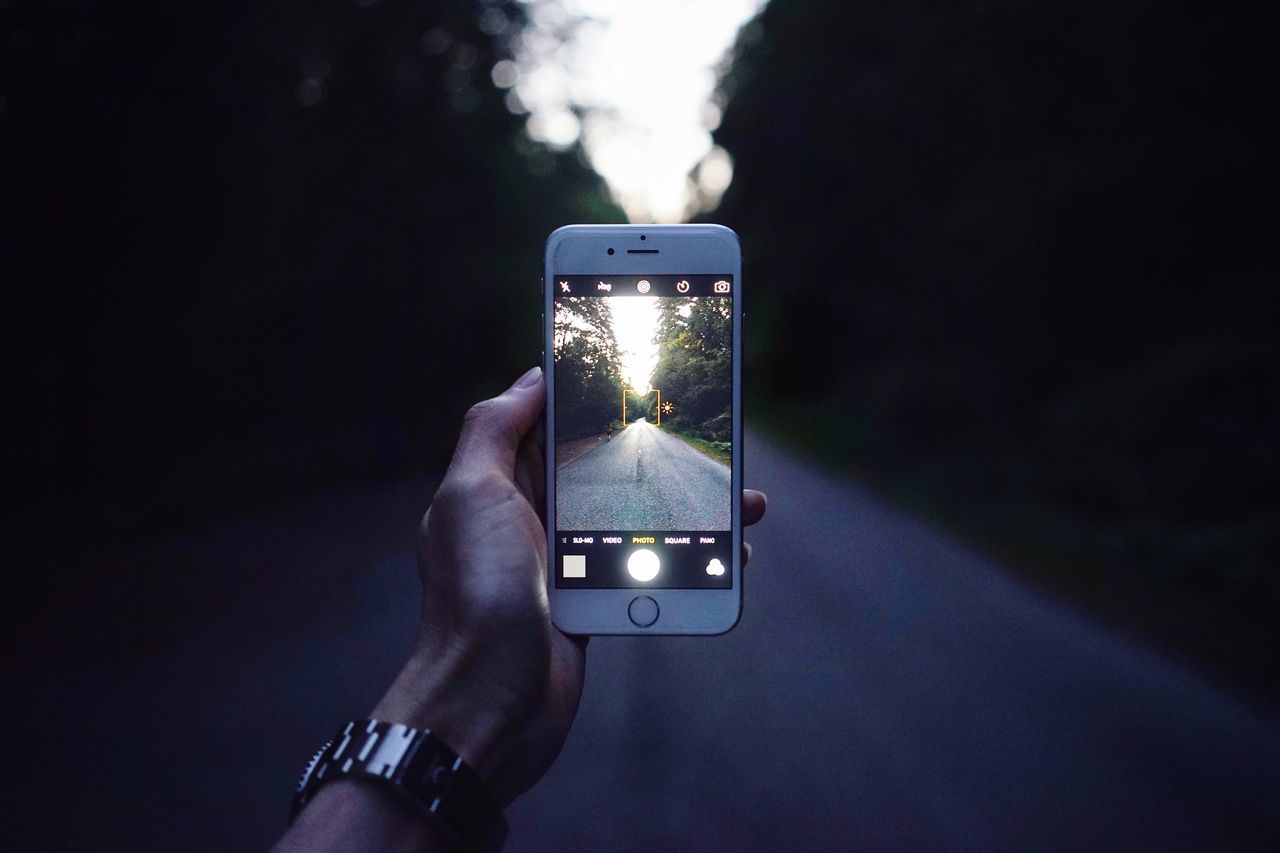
(353, 815)
(397, 762)
(474, 720)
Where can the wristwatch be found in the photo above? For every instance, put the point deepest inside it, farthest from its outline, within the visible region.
(418, 767)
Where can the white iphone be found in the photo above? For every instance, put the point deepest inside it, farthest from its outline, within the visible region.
(643, 355)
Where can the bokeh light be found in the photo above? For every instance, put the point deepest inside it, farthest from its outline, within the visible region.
(635, 84)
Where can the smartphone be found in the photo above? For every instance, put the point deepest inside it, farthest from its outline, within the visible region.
(643, 360)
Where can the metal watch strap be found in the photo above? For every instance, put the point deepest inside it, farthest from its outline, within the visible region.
(421, 767)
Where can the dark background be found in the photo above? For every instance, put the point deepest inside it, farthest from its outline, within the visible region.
(255, 251)
(1013, 265)
(1021, 268)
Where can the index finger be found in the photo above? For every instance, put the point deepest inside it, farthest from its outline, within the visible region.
(493, 429)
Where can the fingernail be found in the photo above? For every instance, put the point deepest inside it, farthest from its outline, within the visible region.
(529, 379)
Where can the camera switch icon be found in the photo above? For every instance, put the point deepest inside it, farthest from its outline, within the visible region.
(721, 287)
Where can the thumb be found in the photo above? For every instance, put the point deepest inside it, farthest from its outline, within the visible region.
(492, 429)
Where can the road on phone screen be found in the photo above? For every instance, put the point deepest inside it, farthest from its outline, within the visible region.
(643, 479)
(886, 689)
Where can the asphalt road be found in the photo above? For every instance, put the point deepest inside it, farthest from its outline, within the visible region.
(887, 689)
(643, 479)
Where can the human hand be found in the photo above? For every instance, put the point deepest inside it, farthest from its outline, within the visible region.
(490, 673)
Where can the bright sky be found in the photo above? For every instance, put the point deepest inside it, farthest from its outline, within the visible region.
(635, 81)
(635, 322)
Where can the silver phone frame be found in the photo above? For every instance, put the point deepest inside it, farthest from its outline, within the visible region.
(691, 249)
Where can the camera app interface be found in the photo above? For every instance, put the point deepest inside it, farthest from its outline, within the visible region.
(644, 431)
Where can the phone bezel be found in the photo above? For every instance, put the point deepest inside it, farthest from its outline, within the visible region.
(681, 249)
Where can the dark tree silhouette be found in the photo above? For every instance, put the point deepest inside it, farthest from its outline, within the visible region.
(1017, 262)
(258, 248)
(695, 366)
(588, 367)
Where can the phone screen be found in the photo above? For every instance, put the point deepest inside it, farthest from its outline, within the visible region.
(643, 431)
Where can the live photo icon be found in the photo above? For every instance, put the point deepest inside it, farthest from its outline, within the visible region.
(575, 566)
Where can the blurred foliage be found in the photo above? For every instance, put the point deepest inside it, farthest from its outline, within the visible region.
(1017, 262)
(588, 367)
(695, 366)
(260, 247)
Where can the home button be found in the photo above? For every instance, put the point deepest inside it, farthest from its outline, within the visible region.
(643, 611)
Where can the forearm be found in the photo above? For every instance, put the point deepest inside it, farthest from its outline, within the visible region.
(491, 678)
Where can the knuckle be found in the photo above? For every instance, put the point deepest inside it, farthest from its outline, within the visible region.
(448, 499)
(480, 411)
(448, 496)
(466, 488)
